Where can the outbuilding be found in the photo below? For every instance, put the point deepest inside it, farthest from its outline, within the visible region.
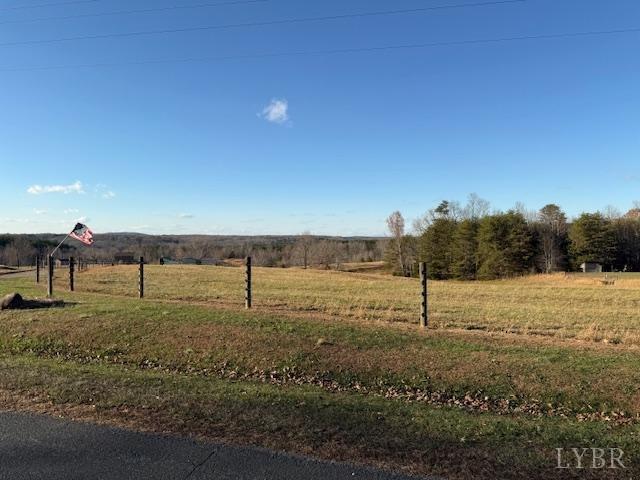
(591, 267)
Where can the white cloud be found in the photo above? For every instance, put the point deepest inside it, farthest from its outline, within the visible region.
(40, 189)
(276, 112)
(186, 215)
(71, 210)
(39, 212)
(103, 191)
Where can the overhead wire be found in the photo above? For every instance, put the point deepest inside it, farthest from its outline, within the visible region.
(259, 23)
(335, 51)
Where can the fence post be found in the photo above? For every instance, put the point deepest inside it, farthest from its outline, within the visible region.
(72, 266)
(141, 277)
(247, 278)
(424, 315)
(37, 268)
(50, 276)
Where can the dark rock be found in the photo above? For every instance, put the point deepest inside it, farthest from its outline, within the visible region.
(11, 301)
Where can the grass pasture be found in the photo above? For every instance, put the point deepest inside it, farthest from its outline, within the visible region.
(560, 306)
(332, 364)
(5, 270)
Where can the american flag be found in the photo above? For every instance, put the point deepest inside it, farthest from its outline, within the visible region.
(82, 233)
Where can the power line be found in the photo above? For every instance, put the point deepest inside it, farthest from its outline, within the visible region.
(299, 53)
(42, 5)
(132, 12)
(260, 24)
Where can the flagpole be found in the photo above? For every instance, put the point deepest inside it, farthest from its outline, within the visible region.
(60, 244)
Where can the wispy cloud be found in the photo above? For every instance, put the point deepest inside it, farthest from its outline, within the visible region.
(186, 215)
(103, 191)
(276, 112)
(39, 212)
(66, 189)
(71, 210)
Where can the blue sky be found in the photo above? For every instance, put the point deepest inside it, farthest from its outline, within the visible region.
(329, 143)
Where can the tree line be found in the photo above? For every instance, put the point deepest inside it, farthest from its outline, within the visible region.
(305, 250)
(473, 242)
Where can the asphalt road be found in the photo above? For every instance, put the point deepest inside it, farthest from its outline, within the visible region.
(40, 447)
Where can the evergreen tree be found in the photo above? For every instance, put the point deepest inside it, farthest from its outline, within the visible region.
(505, 246)
(436, 248)
(592, 239)
(627, 233)
(436, 242)
(465, 250)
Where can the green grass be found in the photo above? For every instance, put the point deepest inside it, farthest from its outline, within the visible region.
(529, 372)
(465, 403)
(341, 426)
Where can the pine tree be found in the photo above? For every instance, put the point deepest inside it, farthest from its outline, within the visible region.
(505, 246)
(627, 232)
(465, 250)
(436, 243)
(592, 240)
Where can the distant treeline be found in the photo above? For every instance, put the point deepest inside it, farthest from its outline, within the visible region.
(473, 242)
(271, 251)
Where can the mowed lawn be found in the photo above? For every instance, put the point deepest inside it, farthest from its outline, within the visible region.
(333, 365)
(572, 306)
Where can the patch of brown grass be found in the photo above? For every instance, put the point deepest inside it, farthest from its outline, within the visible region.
(560, 306)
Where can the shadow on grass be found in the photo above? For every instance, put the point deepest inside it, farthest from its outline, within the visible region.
(14, 301)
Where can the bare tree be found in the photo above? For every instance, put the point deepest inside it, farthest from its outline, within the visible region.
(552, 224)
(449, 209)
(395, 224)
(323, 253)
(611, 212)
(529, 215)
(11, 255)
(25, 250)
(303, 247)
(476, 207)
(200, 248)
(634, 213)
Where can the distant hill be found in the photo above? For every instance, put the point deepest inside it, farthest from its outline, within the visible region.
(268, 250)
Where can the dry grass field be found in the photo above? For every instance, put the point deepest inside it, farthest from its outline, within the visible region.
(560, 306)
(5, 270)
(333, 364)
